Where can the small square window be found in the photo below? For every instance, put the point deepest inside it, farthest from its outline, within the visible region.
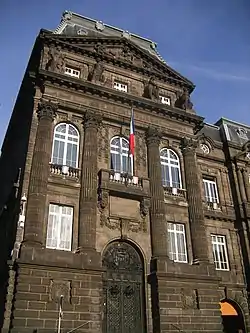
(165, 100)
(220, 252)
(121, 86)
(72, 72)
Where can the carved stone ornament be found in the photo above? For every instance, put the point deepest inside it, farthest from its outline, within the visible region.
(151, 91)
(188, 144)
(60, 288)
(153, 135)
(144, 207)
(103, 143)
(189, 299)
(46, 109)
(96, 74)
(92, 119)
(183, 101)
(141, 155)
(55, 60)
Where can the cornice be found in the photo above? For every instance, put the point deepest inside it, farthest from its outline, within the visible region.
(50, 39)
(73, 84)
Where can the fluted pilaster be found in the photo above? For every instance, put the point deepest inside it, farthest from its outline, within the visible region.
(35, 217)
(246, 183)
(157, 211)
(241, 184)
(88, 197)
(195, 206)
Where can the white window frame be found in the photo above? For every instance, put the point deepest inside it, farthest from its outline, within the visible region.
(67, 140)
(210, 184)
(165, 100)
(175, 230)
(121, 86)
(123, 152)
(168, 162)
(72, 71)
(55, 220)
(219, 246)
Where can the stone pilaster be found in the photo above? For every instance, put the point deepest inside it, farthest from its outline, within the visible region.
(157, 211)
(241, 184)
(246, 183)
(88, 196)
(35, 215)
(195, 206)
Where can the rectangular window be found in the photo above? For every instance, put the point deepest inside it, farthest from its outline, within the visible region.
(59, 229)
(165, 100)
(210, 189)
(121, 86)
(220, 252)
(72, 72)
(177, 242)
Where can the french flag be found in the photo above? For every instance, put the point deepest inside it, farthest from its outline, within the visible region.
(132, 135)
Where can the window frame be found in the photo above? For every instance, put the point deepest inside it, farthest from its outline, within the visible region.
(72, 69)
(66, 142)
(117, 85)
(170, 165)
(174, 233)
(215, 244)
(121, 154)
(210, 182)
(59, 227)
(163, 100)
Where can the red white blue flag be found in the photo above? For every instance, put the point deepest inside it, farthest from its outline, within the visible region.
(132, 135)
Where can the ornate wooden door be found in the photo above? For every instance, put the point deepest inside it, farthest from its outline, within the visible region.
(124, 306)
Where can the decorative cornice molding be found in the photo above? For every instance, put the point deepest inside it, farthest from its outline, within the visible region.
(50, 39)
(127, 99)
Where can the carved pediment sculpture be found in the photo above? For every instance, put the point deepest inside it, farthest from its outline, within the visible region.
(55, 60)
(151, 91)
(96, 74)
(183, 101)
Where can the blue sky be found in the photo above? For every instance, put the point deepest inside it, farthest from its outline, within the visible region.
(207, 41)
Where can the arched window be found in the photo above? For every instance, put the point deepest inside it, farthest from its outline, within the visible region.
(119, 152)
(65, 145)
(170, 168)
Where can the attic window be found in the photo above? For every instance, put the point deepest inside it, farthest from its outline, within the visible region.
(165, 100)
(242, 133)
(72, 71)
(121, 86)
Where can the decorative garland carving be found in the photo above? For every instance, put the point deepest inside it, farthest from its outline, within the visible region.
(103, 143)
(59, 288)
(141, 155)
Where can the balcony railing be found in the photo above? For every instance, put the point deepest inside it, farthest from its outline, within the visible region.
(124, 178)
(212, 205)
(65, 171)
(174, 192)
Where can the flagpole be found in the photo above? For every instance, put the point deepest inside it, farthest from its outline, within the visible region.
(132, 143)
(60, 314)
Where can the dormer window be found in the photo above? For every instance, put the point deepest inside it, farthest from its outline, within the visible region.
(120, 86)
(242, 133)
(165, 100)
(72, 71)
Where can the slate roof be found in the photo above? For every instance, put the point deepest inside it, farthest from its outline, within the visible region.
(234, 132)
(73, 24)
(211, 131)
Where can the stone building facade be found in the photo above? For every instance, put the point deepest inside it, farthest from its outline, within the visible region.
(155, 242)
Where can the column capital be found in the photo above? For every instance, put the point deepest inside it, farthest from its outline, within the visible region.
(46, 109)
(153, 135)
(188, 144)
(92, 119)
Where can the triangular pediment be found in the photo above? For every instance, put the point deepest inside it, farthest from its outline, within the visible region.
(127, 53)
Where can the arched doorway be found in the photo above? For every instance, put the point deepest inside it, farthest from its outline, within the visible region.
(232, 317)
(123, 289)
